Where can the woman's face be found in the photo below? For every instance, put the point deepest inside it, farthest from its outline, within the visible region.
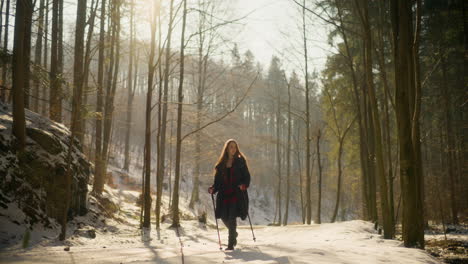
(232, 148)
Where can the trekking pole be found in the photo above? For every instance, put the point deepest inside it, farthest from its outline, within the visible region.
(245, 201)
(214, 208)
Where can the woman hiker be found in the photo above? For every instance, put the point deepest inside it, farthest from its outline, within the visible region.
(232, 178)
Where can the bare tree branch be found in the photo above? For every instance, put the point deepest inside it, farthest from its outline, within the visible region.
(226, 114)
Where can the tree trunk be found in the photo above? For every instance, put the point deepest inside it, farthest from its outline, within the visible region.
(113, 74)
(76, 106)
(55, 101)
(3, 96)
(388, 224)
(319, 182)
(87, 62)
(416, 106)
(19, 123)
(175, 195)
(338, 191)
(78, 64)
(288, 158)
(298, 157)
(370, 156)
(450, 142)
(1, 18)
(389, 157)
(98, 173)
(60, 58)
(195, 191)
(170, 163)
(130, 91)
(45, 59)
(38, 56)
(412, 226)
(158, 132)
(308, 181)
(149, 96)
(143, 188)
(162, 143)
(27, 53)
(278, 151)
(387, 97)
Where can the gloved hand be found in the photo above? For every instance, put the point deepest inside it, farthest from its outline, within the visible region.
(211, 190)
(243, 187)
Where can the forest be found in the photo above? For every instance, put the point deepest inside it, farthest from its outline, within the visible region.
(116, 111)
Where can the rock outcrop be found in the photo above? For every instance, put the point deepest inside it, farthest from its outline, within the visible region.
(35, 180)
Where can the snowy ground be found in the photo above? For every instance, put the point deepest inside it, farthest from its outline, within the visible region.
(121, 241)
(349, 242)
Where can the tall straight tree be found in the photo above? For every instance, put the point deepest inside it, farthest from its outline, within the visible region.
(278, 147)
(98, 185)
(380, 48)
(19, 57)
(1, 17)
(450, 144)
(130, 87)
(87, 62)
(402, 24)
(149, 96)
(27, 54)
(5, 47)
(78, 65)
(45, 57)
(162, 140)
(38, 56)
(61, 79)
(388, 222)
(319, 182)
(55, 94)
(113, 73)
(288, 157)
(370, 155)
(307, 121)
(159, 103)
(275, 81)
(415, 104)
(76, 104)
(180, 98)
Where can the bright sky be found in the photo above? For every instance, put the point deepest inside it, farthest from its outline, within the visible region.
(273, 28)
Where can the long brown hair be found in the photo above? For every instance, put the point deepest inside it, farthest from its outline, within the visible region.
(223, 157)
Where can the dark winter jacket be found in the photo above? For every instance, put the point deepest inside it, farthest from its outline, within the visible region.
(228, 192)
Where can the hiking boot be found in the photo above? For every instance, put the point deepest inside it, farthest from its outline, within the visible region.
(230, 247)
(233, 240)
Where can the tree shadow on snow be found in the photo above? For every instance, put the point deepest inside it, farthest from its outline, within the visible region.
(251, 255)
(194, 238)
(146, 239)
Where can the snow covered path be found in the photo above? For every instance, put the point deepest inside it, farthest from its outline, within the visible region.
(346, 242)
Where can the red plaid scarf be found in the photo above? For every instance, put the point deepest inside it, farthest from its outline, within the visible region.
(229, 194)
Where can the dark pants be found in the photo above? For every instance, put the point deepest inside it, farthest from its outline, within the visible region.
(230, 221)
